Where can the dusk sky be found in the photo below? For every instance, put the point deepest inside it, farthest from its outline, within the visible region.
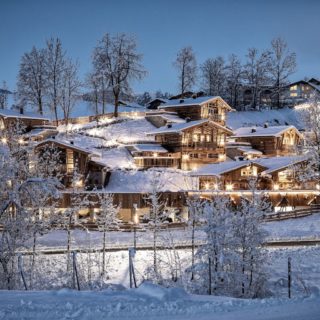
(212, 28)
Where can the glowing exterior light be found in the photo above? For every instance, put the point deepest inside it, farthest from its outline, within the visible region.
(20, 141)
(229, 187)
(185, 157)
(216, 186)
(221, 157)
(155, 154)
(276, 187)
(78, 183)
(207, 186)
(4, 140)
(318, 186)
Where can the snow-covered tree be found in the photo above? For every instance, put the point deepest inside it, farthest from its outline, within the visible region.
(32, 79)
(158, 216)
(24, 193)
(310, 115)
(195, 209)
(116, 60)
(186, 66)
(248, 237)
(214, 76)
(214, 270)
(107, 219)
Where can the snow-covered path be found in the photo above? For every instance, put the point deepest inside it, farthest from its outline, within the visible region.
(149, 302)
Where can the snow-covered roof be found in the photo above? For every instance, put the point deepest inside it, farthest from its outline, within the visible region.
(190, 102)
(179, 127)
(248, 150)
(6, 113)
(273, 131)
(149, 148)
(270, 164)
(277, 163)
(135, 181)
(216, 169)
(172, 118)
(67, 145)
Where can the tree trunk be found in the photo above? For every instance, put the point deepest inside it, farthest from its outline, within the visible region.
(192, 250)
(116, 104)
(104, 252)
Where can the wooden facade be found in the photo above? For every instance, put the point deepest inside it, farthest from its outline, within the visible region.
(214, 108)
(198, 145)
(283, 144)
(71, 158)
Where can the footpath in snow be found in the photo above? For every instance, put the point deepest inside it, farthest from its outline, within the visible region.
(149, 302)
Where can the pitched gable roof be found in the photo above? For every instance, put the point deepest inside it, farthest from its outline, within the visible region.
(66, 145)
(216, 169)
(192, 102)
(6, 113)
(274, 131)
(180, 127)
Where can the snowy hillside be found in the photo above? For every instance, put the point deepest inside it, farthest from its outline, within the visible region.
(284, 116)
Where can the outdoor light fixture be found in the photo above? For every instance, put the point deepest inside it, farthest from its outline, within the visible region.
(155, 154)
(276, 187)
(216, 186)
(221, 157)
(4, 140)
(229, 187)
(207, 186)
(21, 141)
(185, 157)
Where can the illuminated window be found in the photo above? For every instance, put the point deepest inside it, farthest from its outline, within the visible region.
(293, 94)
(208, 137)
(249, 171)
(293, 88)
(202, 138)
(195, 138)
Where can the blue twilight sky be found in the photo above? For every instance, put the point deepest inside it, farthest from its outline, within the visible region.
(161, 27)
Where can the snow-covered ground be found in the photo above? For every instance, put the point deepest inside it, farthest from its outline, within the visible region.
(149, 302)
(284, 116)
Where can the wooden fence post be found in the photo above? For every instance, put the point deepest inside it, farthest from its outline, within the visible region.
(289, 278)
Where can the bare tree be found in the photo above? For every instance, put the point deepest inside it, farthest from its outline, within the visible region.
(234, 77)
(55, 64)
(116, 59)
(70, 89)
(186, 66)
(283, 64)
(256, 72)
(32, 83)
(107, 220)
(213, 76)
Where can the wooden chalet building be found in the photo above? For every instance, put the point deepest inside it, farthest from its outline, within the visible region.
(196, 108)
(29, 120)
(270, 140)
(274, 173)
(196, 142)
(300, 91)
(93, 174)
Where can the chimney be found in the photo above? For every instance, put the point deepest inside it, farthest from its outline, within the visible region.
(194, 96)
(181, 101)
(188, 119)
(71, 142)
(169, 125)
(253, 130)
(266, 125)
(21, 109)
